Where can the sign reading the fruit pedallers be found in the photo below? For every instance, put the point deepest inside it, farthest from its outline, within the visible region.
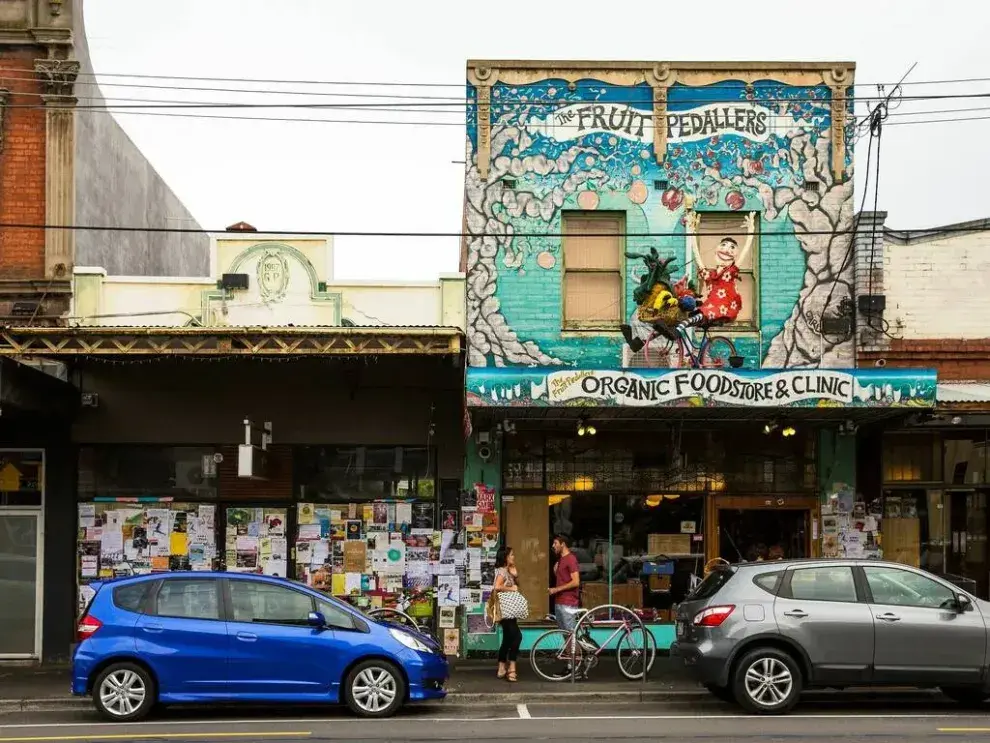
(701, 387)
(744, 119)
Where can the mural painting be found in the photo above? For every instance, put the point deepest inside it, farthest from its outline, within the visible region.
(741, 225)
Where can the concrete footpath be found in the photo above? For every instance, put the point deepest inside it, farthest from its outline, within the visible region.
(471, 682)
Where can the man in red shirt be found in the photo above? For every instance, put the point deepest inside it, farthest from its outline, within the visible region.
(567, 580)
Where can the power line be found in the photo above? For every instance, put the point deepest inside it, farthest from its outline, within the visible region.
(396, 122)
(902, 234)
(393, 83)
(506, 101)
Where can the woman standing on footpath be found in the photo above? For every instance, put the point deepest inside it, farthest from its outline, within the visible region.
(505, 582)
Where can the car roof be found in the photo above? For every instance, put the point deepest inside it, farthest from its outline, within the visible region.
(194, 574)
(809, 561)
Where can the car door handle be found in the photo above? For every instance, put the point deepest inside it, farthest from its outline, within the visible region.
(153, 628)
(796, 613)
(888, 617)
(246, 637)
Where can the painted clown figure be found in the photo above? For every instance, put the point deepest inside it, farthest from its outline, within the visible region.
(722, 302)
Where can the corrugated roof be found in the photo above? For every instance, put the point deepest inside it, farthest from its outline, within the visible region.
(963, 392)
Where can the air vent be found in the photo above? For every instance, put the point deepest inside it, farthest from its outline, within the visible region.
(508, 184)
(813, 186)
(661, 185)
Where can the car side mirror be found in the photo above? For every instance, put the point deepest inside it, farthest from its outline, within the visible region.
(316, 619)
(963, 603)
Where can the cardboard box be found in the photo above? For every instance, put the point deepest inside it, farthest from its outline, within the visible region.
(668, 544)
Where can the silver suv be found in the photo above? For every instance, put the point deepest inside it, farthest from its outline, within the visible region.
(759, 633)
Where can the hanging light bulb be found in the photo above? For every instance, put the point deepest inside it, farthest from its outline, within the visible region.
(591, 430)
(581, 429)
(788, 431)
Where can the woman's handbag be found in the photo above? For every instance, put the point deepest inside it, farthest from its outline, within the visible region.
(512, 605)
(493, 610)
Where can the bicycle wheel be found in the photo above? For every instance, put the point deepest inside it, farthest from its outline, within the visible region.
(717, 352)
(656, 351)
(550, 655)
(634, 653)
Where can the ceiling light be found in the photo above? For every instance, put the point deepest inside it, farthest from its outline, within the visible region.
(788, 431)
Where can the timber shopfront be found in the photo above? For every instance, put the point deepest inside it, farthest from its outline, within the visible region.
(653, 474)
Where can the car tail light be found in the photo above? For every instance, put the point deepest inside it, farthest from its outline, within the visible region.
(713, 616)
(86, 627)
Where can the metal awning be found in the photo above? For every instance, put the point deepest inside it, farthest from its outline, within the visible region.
(963, 392)
(229, 342)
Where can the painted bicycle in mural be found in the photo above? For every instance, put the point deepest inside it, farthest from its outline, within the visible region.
(667, 313)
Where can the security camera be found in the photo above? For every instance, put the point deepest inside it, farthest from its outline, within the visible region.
(880, 363)
(485, 452)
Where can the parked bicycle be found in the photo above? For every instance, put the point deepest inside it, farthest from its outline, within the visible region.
(559, 653)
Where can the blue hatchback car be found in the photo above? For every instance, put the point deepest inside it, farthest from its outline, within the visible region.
(196, 638)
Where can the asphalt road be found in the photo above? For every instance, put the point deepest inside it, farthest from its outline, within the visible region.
(868, 720)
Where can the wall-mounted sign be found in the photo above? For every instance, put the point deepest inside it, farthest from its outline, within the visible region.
(743, 119)
(767, 388)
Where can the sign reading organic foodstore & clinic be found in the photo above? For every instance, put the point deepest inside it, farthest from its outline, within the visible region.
(701, 387)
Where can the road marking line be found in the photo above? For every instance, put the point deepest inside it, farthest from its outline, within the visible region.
(523, 711)
(135, 736)
(963, 730)
(403, 720)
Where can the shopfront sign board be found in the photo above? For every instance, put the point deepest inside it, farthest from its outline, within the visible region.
(765, 388)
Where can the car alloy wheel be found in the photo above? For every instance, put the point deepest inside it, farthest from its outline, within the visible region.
(767, 681)
(124, 692)
(375, 689)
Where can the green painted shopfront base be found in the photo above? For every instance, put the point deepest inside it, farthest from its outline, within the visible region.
(662, 633)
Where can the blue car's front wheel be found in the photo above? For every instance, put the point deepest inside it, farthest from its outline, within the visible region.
(374, 688)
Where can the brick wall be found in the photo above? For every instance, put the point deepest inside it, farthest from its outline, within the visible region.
(937, 311)
(22, 168)
(277, 488)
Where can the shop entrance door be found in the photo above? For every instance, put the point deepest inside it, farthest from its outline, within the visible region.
(967, 513)
(20, 583)
(738, 527)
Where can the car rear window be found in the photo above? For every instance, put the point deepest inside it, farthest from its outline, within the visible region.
(769, 582)
(131, 598)
(712, 584)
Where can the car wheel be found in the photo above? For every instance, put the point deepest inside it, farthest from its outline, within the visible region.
(966, 695)
(724, 693)
(124, 692)
(767, 681)
(374, 688)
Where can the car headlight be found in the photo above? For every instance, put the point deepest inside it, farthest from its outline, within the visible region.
(408, 640)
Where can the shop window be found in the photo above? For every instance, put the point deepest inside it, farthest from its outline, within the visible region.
(713, 229)
(823, 584)
(893, 587)
(21, 478)
(620, 543)
(592, 270)
(164, 471)
(343, 474)
(910, 458)
(188, 599)
(965, 459)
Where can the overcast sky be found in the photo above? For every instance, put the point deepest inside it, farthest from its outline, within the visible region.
(328, 176)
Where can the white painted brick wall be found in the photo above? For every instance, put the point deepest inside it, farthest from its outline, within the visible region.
(940, 288)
